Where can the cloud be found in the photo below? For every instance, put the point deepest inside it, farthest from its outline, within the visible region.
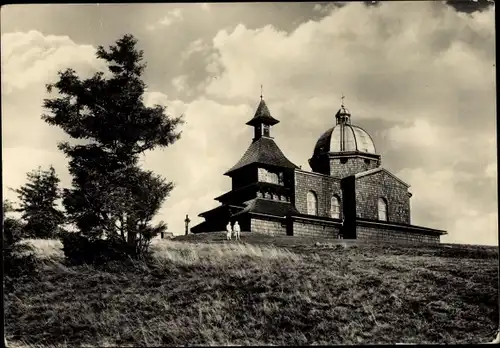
(173, 16)
(327, 7)
(195, 46)
(179, 83)
(436, 146)
(29, 61)
(491, 170)
(32, 58)
(378, 61)
(205, 6)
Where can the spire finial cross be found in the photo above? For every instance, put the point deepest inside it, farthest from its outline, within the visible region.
(261, 87)
(342, 100)
(187, 220)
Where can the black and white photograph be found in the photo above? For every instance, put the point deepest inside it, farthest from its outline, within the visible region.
(249, 173)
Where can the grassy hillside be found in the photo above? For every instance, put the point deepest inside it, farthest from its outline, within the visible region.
(202, 290)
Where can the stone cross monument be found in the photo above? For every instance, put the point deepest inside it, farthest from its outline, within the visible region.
(187, 221)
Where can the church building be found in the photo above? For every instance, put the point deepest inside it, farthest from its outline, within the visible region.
(347, 194)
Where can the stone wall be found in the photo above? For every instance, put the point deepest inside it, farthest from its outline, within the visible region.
(269, 227)
(308, 229)
(343, 167)
(322, 185)
(369, 188)
(365, 233)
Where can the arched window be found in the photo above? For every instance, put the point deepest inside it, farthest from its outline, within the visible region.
(312, 203)
(335, 207)
(382, 209)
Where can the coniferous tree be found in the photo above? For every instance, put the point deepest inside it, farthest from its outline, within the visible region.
(38, 204)
(111, 196)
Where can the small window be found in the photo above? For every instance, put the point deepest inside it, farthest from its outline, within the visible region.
(280, 179)
(266, 130)
(312, 203)
(335, 207)
(343, 160)
(382, 209)
(367, 161)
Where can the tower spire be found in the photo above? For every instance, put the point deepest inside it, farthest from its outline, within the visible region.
(262, 120)
(343, 115)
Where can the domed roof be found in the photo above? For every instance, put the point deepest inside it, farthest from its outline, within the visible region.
(345, 137)
(353, 138)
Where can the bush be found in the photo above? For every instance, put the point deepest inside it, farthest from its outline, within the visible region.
(19, 260)
(13, 231)
(79, 250)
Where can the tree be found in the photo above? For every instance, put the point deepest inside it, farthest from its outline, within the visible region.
(111, 196)
(38, 203)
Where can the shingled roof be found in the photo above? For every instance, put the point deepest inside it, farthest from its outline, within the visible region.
(262, 115)
(263, 151)
(268, 207)
(220, 207)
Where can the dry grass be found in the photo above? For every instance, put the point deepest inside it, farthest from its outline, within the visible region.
(223, 254)
(46, 249)
(202, 290)
(22, 344)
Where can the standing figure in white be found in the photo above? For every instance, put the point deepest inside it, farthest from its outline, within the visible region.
(228, 231)
(237, 230)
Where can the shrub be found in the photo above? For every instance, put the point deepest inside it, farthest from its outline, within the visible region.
(80, 249)
(19, 260)
(13, 231)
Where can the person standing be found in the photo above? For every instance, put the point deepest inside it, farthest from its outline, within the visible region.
(237, 230)
(228, 231)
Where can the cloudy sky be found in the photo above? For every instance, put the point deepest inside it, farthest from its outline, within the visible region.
(418, 76)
